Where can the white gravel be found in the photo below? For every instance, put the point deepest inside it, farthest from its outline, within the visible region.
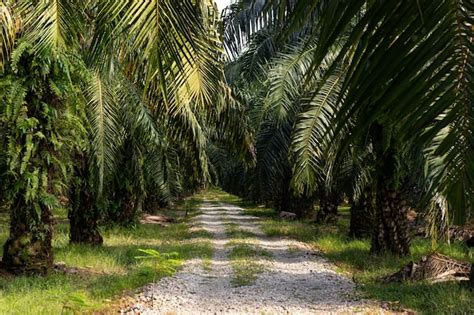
(296, 280)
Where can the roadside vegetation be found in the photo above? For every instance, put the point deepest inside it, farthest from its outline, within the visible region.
(352, 118)
(353, 259)
(95, 278)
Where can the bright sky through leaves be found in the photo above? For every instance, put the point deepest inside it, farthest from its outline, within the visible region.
(221, 4)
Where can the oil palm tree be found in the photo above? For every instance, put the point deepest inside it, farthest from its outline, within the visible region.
(168, 52)
(405, 72)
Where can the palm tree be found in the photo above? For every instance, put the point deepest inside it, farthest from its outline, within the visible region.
(403, 72)
(40, 115)
(167, 60)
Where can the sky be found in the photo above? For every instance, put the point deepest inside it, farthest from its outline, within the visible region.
(221, 4)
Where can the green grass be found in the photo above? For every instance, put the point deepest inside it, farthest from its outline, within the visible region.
(105, 272)
(246, 263)
(233, 231)
(245, 256)
(353, 259)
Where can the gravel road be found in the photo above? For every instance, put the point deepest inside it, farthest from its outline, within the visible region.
(296, 280)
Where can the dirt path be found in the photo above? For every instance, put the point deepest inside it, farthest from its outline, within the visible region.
(294, 280)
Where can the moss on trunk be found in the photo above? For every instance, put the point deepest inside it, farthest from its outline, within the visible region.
(28, 249)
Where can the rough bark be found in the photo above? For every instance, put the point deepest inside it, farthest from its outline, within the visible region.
(84, 219)
(128, 215)
(28, 249)
(129, 208)
(391, 224)
(328, 203)
(83, 214)
(362, 215)
(391, 221)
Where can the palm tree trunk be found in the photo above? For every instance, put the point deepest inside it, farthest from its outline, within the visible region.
(84, 219)
(129, 214)
(28, 249)
(391, 221)
(128, 209)
(362, 217)
(83, 214)
(328, 203)
(391, 224)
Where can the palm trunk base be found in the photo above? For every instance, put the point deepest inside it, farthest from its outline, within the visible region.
(391, 225)
(128, 212)
(328, 208)
(28, 250)
(362, 210)
(84, 219)
(87, 234)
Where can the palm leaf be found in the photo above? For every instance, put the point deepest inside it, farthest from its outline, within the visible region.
(105, 128)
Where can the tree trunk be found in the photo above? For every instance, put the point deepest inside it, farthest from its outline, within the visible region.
(128, 209)
(128, 215)
(328, 203)
(284, 198)
(83, 214)
(391, 224)
(288, 201)
(302, 206)
(362, 215)
(391, 221)
(84, 219)
(28, 249)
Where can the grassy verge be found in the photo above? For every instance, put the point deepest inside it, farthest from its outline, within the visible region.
(245, 256)
(105, 272)
(352, 258)
(246, 263)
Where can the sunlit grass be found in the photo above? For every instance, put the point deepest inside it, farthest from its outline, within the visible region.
(353, 258)
(247, 264)
(104, 272)
(233, 231)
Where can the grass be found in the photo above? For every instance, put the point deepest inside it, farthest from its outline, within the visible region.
(353, 259)
(233, 231)
(245, 256)
(245, 260)
(105, 272)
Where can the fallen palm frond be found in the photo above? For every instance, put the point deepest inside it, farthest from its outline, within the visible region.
(434, 268)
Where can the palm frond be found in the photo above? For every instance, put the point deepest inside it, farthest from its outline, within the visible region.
(52, 25)
(312, 134)
(106, 131)
(9, 26)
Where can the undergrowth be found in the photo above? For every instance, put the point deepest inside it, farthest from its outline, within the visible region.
(352, 258)
(104, 273)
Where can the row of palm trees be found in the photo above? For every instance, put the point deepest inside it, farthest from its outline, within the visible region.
(368, 100)
(107, 107)
(111, 106)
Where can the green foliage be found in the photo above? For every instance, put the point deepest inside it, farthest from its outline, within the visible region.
(103, 272)
(331, 90)
(160, 260)
(41, 120)
(353, 258)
